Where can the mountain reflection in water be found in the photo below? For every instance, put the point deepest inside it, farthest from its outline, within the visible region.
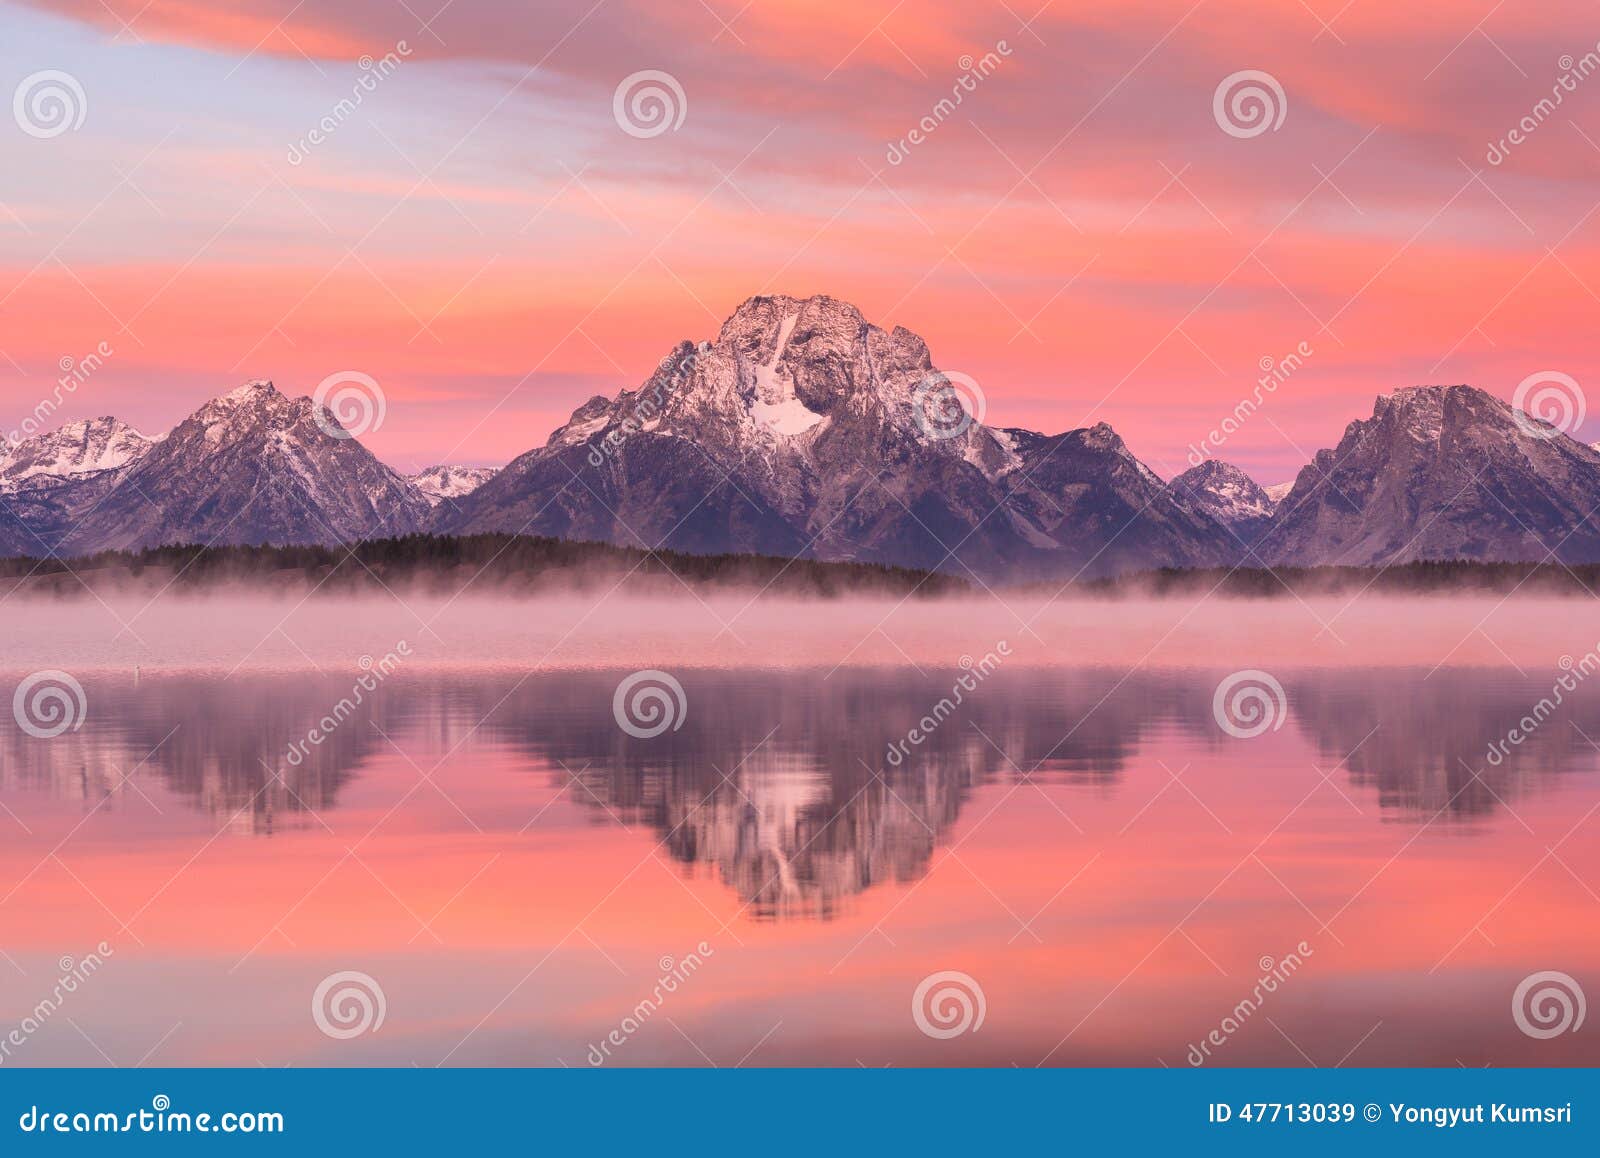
(778, 783)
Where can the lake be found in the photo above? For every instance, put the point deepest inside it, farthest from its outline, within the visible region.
(923, 858)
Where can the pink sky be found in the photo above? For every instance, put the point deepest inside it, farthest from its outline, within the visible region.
(1079, 235)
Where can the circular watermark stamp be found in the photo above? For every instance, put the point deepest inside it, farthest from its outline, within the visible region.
(49, 703)
(1248, 103)
(946, 403)
(648, 703)
(1249, 703)
(348, 1004)
(349, 404)
(1548, 403)
(648, 103)
(1548, 1004)
(948, 1004)
(49, 103)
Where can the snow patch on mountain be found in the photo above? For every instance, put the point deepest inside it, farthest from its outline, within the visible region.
(87, 446)
(438, 483)
(576, 432)
(775, 404)
(791, 416)
(767, 384)
(248, 466)
(1225, 493)
(240, 411)
(802, 430)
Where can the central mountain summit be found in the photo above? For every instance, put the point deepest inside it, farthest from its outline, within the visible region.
(803, 429)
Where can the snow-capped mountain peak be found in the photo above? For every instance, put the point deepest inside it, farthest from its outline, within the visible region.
(1226, 494)
(247, 409)
(87, 446)
(251, 391)
(438, 483)
(805, 429)
(250, 466)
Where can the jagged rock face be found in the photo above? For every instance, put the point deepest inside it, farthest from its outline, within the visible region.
(49, 481)
(803, 429)
(438, 483)
(1108, 511)
(80, 448)
(38, 512)
(251, 466)
(1441, 472)
(1225, 493)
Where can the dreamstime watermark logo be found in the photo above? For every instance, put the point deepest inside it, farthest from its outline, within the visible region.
(356, 403)
(1273, 974)
(674, 973)
(1548, 1004)
(1248, 103)
(649, 702)
(348, 1004)
(946, 403)
(972, 73)
(49, 103)
(1572, 73)
(1574, 673)
(373, 73)
(373, 673)
(49, 703)
(160, 1119)
(673, 371)
(1548, 403)
(72, 975)
(74, 373)
(648, 103)
(1274, 373)
(948, 1004)
(976, 672)
(1249, 703)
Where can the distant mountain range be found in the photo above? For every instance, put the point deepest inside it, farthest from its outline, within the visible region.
(805, 431)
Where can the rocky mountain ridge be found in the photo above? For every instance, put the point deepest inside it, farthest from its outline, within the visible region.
(438, 483)
(804, 430)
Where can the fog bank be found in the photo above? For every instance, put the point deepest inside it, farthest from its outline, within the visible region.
(228, 632)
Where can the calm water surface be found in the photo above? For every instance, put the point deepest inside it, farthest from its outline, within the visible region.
(1113, 870)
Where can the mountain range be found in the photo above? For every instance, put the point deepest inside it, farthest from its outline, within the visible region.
(804, 430)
